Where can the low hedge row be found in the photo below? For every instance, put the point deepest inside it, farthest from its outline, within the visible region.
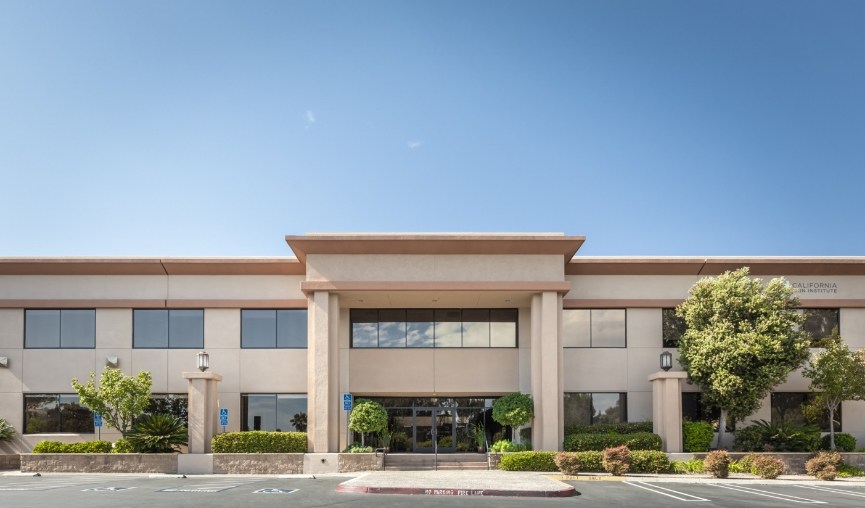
(642, 461)
(258, 441)
(610, 428)
(600, 442)
(85, 447)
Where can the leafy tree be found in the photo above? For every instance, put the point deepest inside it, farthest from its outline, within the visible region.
(119, 398)
(839, 375)
(367, 416)
(742, 339)
(514, 409)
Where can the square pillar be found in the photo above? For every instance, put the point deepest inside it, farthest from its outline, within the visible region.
(203, 409)
(547, 376)
(323, 373)
(667, 408)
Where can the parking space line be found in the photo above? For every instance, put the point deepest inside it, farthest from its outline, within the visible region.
(657, 489)
(832, 490)
(766, 493)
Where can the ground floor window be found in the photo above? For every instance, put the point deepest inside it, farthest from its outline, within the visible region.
(175, 404)
(695, 409)
(273, 411)
(442, 424)
(589, 408)
(57, 413)
(788, 407)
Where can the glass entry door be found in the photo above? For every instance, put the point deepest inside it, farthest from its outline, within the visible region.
(434, 426)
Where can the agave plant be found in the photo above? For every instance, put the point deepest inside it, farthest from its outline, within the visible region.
(157, 433)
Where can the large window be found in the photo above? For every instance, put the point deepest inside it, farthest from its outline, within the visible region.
(273, 328)
(819, 323)
(695, 409)
(441, 328)
(56, 413)
(672, 327)
(584, 408)
(65, 328)
(787, 407)
(175, 404)
(168, 328)
(272, 411)
(594, 328)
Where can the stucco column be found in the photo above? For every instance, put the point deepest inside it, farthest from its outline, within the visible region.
(547, 375)
(322, 373)
(203, 408)
(667, 408)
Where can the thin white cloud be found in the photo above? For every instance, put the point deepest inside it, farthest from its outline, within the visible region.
(414, 144)
(309, 116)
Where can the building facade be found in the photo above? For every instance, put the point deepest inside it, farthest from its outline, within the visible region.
(433, 326)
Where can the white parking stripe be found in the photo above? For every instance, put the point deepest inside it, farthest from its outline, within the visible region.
(657, 489)
(765, 493)
(820, 488)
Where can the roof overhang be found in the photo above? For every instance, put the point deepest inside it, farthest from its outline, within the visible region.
(708, 266)
(151, 266)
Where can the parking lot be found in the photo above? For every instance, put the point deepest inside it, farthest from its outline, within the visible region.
(74, 491)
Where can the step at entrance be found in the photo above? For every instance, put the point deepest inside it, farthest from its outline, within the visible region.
(427, 461)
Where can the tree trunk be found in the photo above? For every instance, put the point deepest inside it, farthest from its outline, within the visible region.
(722, 426)
(362, 434)
(831, 427)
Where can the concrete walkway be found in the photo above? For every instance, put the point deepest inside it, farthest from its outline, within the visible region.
(457, 483)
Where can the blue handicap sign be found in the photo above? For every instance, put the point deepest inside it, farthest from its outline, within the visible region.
(346, 401)
(97, 419)
(223, 411)
(223, 421)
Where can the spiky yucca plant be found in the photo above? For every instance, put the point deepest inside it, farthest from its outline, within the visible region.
(158, 433)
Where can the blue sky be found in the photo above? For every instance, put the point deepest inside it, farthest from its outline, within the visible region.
(212, 128)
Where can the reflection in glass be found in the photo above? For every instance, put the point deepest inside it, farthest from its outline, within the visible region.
(56, 413)
(291, 328)
(476, 328)
(583, 408)
(150, 328)
(41, 328)
(258, 328)
(448, 328)
(575, 328)
(787, 407)
(608, 327)
(77, 328)
(503, 328)
(420, 329)
(391, 328)
(673, 327)
(274, 412)
(364, 328)
(608, 408)
(186, 328)
(819, 323)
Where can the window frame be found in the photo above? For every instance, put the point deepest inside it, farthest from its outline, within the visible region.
(276, 314)
(90, 429)
(60, 313)
(168, 337)
(591, 334)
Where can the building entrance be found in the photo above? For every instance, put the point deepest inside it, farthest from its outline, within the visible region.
(434, 428)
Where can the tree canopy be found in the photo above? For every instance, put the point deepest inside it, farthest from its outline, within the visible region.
(838, 374)
(119, 398)
(513, 409)
(367, 416)
(741, 340)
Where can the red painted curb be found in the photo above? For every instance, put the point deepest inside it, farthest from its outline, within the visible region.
(419, 491)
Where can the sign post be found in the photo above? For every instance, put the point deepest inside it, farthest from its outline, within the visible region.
(347, 403)
(97, 422)
(223, 418)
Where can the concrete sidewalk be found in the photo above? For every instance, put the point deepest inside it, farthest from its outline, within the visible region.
(457, 483)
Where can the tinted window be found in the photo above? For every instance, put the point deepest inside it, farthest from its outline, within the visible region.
(608, 327)
(269, 411)
(391, 328)
(150, 328)
(787, 407)
(452, 328)
(186, 329)
(258, 328)
(576, 328)
(67, 328)
(819, 323)
(476, 328)
(420, 328)
(291, 328)
(364, 328)
(503, 327)
(583, 408)
(672, 327)
(448, 328)
(78, 328)
(53, 413)
(41, 328)
(172, 328)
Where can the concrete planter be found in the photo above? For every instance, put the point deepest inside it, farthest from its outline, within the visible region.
(10, 462)
(494, 459)
(794, 462)
(99, 463)
(352, 462)
(258, 463)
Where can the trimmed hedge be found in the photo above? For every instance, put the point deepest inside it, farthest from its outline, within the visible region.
(610, 428)
(528, 461)
(85, 447)
(600, 442)
(697, 436)
(258, 441)
(650, 461)
(843, 442)
(573, 462)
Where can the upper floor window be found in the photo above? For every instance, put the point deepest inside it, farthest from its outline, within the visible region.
(273, 328)
(594, 328)
(44, 413)
(672, 327)
(451, 328)
(819, 323)
(168, 328)
(65, 328)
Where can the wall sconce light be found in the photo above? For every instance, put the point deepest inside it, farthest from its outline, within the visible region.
(4, 361)
(111, 361)
(666, 361)
(203, 361)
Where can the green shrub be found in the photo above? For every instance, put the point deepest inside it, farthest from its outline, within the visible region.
(848, 470)
(503, 445)
(650, 461)
(157, 433)
(843, 442)
(573, 462)
(777, 437)
(123, 446)
(611, 428)
(767, 467)
(824, 465)
(529, 461)
(600, 442)
(743, 465)
(717, 463)
(358, 448)
(687, 466)
(6, 430)
(85, 447)
(258, 441)
(697, 436)
(617, 460)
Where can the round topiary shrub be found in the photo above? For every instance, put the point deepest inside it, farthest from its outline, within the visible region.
(824, 465)
(617, 460)
(717, 463)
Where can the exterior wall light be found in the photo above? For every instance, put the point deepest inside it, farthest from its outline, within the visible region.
(112, 361)
(4, 361)
(203, 361)
(666, 361)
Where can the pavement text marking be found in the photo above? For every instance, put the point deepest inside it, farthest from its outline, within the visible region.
(274, 491)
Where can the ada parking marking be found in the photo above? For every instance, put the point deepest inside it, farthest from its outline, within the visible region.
(766, 493)
(274, 491)
(205, 487)
(832, 490)
(657, 489)
(107, 489)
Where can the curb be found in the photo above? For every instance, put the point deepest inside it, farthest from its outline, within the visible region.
(420, 491)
